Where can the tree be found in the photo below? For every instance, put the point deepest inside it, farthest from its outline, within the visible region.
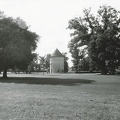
(101, 36)
(27, 64)
(16, 44)
(84, 64)
(66, 67)
(75, 53)
(34, 65)
(45, 61)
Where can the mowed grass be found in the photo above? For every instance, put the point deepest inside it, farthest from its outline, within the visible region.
(60, 97)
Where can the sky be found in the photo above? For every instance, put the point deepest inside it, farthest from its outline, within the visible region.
(49, 19)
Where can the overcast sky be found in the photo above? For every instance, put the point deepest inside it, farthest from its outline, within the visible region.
(49, 19)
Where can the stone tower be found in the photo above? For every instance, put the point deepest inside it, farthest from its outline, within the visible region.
(57, 62)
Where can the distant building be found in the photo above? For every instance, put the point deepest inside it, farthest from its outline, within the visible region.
(57, 62)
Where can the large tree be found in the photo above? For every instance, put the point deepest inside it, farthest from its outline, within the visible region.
(16, 43)
(101, 35)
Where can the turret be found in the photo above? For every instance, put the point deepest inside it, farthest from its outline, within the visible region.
(57, 62)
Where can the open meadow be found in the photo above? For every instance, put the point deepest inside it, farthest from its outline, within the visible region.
(60, 97)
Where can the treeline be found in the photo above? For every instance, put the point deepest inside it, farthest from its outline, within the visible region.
(95, 43)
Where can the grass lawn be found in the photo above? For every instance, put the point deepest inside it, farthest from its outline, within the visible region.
(60, 97)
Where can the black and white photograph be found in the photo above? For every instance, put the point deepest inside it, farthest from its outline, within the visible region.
(59, 60)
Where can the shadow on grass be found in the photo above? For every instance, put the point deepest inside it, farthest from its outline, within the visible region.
(45, 81)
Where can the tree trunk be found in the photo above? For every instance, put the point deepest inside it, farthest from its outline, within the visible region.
(104, 72)
(103, 68)
(5, 73)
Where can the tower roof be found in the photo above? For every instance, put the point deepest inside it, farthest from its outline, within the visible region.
(57, 53)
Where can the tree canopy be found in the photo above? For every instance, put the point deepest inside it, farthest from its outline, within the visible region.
(17, 44)
(101, 36)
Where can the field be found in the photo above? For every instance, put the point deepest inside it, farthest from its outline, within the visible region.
(60, 97)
